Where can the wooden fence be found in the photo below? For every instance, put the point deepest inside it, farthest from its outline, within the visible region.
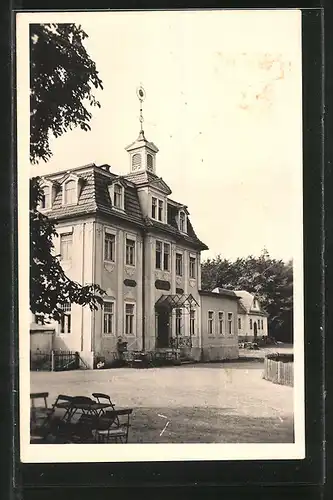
(279, 369)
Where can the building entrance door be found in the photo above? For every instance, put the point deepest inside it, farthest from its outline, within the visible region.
(163, 329)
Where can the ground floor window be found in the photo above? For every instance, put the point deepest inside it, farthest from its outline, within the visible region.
(221, 323)
(250, 324)
(230, 323)
(210, 322)
(192, 322)
(239, 323)
(66, 320)
(108, 324)
(179, 321)
(129, 319)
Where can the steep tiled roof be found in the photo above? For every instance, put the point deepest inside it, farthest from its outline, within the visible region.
(189, 238)
(224, 293)
(94, 197)
(246, 301)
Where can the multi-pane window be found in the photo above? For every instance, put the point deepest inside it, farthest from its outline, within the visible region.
(130, 252)
(70, 193)
(250, 324)
(108, 320)
(158, 264)
(45, 198)
(210, 322)
(239, 323)
(162, 256)
(129, 319)
(66, 242)
(221, 323)
(117, 196)
(179, 264)
(166, 257)
(157, 209)
(230, 323)
(192, 321)
(192, 267)
(109, 247)
(154, 208)
(160, 210)
(182, 222)
(65, 322)
(179, 321)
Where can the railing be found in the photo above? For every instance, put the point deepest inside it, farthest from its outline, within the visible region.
(279, 369)
(55, 361)
(177, 342)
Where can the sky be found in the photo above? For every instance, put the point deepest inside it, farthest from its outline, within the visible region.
(223, 105)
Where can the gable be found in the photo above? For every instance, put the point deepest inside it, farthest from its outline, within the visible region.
(160, 185)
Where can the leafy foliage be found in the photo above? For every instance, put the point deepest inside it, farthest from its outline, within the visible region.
(61, 78)
(50, 288)
(269, 279)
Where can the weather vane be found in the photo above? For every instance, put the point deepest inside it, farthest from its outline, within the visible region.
(141, 93)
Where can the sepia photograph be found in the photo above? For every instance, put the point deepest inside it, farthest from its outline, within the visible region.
(160, 235)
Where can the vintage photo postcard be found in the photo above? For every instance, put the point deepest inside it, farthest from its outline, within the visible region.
(160, 235)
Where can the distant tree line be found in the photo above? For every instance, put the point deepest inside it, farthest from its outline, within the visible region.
(271, 280)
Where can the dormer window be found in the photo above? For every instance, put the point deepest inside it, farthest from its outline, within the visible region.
(118, 196)
(182, 222)
(70, 192)
(136, 161)
(157, 207)
(46, 198)
(160, 210)
(150, 162)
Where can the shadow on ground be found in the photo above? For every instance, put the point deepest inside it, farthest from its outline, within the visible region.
(206, 425)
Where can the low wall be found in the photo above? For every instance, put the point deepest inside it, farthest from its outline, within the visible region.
(219, 353)
(279, 369)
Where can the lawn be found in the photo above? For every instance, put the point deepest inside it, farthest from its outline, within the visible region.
(204, 403)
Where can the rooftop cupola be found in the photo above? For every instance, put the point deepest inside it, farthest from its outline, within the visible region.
(142, 152)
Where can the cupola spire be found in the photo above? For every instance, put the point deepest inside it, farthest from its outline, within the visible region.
(141, 93)
(142, 152)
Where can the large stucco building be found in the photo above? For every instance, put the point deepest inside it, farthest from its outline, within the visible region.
(128, 235)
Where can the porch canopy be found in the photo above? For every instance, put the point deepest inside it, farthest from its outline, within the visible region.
(178, 301)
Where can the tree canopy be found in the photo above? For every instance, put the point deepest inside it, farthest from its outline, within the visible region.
(271, 280)
(50, 288)
(62, 75)
(61, 80)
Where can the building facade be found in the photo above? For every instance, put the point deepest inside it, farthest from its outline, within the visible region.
(219, 325)
(252, 321)
(126, 234)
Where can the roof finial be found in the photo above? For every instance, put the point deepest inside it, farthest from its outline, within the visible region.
(141, 93)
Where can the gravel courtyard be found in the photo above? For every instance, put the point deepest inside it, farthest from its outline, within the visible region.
(203, 403)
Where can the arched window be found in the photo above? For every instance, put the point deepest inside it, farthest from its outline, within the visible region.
(45, 200)
(70, 193)
(136, 161)
(150, 162)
